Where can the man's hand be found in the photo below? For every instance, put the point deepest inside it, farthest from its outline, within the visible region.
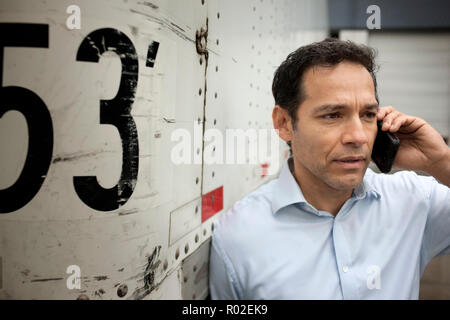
(421, 147)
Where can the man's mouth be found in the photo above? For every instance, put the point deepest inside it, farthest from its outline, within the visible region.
(351, 162)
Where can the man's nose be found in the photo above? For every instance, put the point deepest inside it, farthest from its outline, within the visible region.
(354, 133)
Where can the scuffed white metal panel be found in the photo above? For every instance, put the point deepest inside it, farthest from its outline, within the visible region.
(194, 274)
(170, 288)
(247, 42)
(127, 247)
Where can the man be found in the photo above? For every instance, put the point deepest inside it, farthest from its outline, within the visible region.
(329, 227)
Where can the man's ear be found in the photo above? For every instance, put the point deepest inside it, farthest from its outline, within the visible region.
(283, 123)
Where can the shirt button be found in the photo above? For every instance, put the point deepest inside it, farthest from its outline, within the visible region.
(345, 269)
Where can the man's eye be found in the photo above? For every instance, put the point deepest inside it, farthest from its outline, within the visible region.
(370, 115)
(331, 116)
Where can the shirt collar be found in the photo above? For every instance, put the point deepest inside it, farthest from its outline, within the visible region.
(366, 188)
(287, 191)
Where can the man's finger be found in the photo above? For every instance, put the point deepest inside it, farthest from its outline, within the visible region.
(389, 120)
(383, 111)
(398, 122)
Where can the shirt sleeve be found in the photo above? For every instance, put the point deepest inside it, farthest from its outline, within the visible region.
(436, 239)
(222, 278)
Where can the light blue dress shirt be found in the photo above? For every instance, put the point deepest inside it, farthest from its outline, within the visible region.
(273, 244)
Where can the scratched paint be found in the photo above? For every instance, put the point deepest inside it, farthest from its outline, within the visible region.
(77, 156)
(148, 276)
(149, 4)
(166, 23)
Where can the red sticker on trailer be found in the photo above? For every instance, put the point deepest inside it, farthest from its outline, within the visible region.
(264, 167)
(212, 202)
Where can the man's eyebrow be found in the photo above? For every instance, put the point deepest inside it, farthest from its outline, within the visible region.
(329, 108)
(336, 107)
(373, 106)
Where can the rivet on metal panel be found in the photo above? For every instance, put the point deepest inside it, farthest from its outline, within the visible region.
(185, 279)
(186, 248)
(218, 15)
(213, 177)
(196, 238)
(196, 209)
(193, 295)
(177, 253)
(166, 265)
(217, 41)
(215, 121)
(204, 232)
(196, 180)
(200, 91)
(215, 95)
(122, 290)
(217, 69)
(194, 268)
(212, 226)
(203, 2)
(201, 61)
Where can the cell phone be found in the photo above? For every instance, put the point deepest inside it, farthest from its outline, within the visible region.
(385, 149)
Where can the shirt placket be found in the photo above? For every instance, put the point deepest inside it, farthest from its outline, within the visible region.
(347, 273)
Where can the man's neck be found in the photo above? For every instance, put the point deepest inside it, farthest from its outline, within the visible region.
(317, 193)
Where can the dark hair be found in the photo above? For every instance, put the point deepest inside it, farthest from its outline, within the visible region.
(287, 85)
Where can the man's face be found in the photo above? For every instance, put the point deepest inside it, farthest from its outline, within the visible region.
(336, 125)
